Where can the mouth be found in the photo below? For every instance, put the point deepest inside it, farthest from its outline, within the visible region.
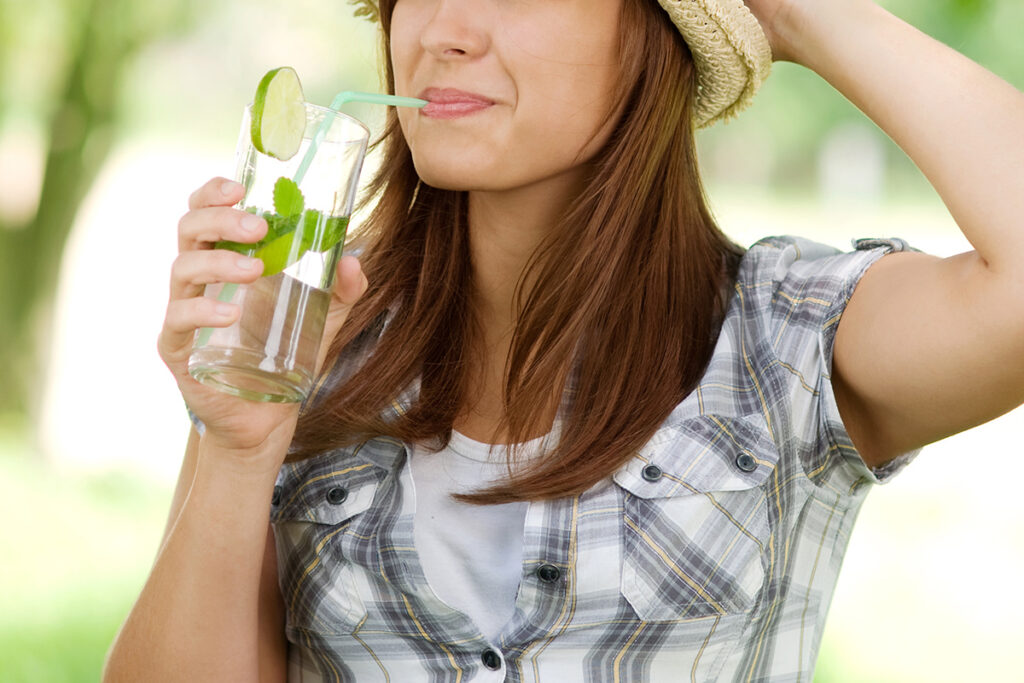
(450, 103)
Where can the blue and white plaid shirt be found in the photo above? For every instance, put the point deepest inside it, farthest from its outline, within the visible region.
(711, 555)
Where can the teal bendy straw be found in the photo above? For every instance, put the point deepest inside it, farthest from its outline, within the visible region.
(375, 98)
(340, 100)
(227, 292)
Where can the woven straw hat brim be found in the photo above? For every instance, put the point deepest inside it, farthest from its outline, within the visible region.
(730, 52)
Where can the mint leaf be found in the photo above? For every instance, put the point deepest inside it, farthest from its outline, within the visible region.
(288, 200)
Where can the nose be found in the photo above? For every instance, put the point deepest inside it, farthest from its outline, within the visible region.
(456, 29)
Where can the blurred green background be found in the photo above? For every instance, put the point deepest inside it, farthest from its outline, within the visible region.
(113, 111)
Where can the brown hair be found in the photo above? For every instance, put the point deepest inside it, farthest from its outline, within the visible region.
(623, 310)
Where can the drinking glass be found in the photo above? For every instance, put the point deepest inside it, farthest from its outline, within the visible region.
(270, 352)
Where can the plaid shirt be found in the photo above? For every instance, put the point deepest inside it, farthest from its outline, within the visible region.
(711, 555)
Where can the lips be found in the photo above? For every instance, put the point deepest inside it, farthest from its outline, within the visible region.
(450, 103)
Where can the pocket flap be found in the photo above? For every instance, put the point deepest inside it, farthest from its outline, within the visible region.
(701, 454)
(326, 489)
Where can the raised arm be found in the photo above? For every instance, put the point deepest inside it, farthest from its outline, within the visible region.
(928, 347)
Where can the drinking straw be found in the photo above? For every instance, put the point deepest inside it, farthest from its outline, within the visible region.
(341, 99)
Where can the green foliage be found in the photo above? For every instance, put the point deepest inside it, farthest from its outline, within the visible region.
(89, 49)
(796, 110)
(72, 567)
(70, 650)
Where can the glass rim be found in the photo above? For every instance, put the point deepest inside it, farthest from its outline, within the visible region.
(327, 111)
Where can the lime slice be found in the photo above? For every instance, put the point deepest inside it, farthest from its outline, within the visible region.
(278, 249)
(278, 114)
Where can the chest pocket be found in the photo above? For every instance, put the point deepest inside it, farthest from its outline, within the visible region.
(315, 503)
(696, 519)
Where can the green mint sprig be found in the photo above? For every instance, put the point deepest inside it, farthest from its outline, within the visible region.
(288, 199)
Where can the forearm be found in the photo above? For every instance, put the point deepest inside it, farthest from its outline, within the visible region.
(962, 125)
(197, 616)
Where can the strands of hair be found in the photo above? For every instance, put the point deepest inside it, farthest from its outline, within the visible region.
(617, 325)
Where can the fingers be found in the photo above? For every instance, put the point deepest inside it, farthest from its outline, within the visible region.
(192, 270)
(211, 218)
(183, 317)
(216, 192)
(200, 228)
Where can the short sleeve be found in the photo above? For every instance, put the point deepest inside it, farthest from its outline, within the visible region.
(809, 286)
(196, 422)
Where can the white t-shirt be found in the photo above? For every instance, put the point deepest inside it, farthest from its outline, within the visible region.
(471, 554)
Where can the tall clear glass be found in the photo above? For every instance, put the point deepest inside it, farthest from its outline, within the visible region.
(270, 353)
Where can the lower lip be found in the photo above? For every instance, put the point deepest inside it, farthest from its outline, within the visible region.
(453, 110)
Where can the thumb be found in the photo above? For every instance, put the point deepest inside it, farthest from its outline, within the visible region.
(349, 285)
(350, 282)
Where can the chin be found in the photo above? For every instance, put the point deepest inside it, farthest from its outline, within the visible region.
(455, 176)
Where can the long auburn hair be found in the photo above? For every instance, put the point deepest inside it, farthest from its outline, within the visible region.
(624, 305)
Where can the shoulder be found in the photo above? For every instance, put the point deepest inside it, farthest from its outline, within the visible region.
(774, 355)
(779, 258)
(802, 280)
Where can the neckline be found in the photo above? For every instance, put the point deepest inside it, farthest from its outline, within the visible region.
(478, 451)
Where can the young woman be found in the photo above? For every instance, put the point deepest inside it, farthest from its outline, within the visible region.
(565, 430)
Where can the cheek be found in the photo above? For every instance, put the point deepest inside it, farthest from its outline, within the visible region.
(567, 73)
(565, 108)
(562, 134)
(564, 33)
(406, 27)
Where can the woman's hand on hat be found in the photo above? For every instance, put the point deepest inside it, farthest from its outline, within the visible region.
(785, 23)
(772, 14)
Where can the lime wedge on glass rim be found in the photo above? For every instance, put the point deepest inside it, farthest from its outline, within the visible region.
(278, 126)
(278, 114)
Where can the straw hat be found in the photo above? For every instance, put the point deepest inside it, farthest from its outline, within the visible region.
(730, 51)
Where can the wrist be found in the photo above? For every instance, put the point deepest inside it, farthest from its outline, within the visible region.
(805, 32)
(223, 457)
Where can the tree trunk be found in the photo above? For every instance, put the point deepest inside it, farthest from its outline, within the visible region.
(79, 141)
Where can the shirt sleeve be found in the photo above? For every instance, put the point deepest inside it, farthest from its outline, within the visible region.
(809, 286)
(196, 422)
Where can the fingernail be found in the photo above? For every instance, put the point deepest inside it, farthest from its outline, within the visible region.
(250, 223)
(229, 187)
(247, 263)
(225, 310)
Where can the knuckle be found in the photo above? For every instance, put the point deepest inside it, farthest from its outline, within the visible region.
(180, 265)
(171, 318)
(198, 196)
(227, 258)
(199, 306)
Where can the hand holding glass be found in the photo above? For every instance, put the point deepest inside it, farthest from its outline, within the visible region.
(270, 352)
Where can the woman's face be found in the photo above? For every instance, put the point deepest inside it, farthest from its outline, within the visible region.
(520, 91)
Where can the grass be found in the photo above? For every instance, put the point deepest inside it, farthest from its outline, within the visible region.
(77, 552)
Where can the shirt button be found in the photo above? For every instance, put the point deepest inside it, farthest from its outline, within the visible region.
(491, 659)
(652, 473)
(337, 495)
(746, 462)
(275, 499)
(548, 573)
